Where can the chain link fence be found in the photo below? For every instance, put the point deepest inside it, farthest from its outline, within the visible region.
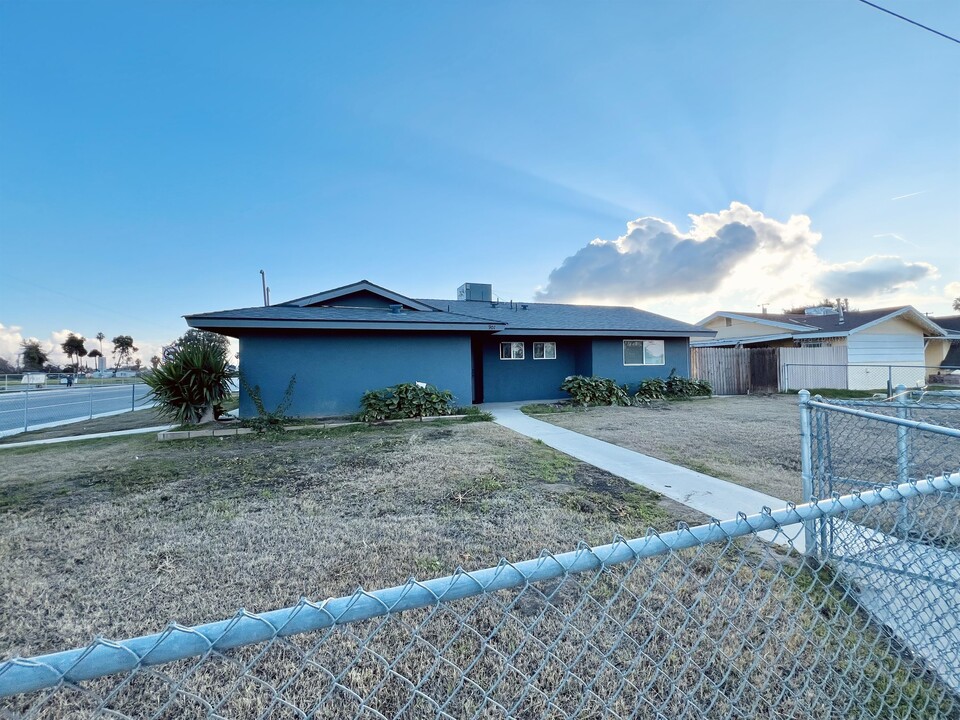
(864, 377)
(703, 622)
(36, 408)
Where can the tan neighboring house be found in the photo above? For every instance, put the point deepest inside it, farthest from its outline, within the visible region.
(901, 337)
(945, 352)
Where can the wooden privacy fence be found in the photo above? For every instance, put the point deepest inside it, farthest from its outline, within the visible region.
(743, 371)
(736, 371)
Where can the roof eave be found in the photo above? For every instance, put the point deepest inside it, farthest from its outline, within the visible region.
(221, 324)
(587, 332)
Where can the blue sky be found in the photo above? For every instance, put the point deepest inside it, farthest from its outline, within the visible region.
(155, 156)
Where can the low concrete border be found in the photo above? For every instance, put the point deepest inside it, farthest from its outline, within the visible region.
(233, 431)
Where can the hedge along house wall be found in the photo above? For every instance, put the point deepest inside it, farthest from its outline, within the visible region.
(334, 369)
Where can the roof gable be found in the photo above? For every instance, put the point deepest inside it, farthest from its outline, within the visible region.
(359, 294)
(784, 322)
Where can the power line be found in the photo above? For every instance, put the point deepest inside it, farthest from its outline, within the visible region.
(912, 22)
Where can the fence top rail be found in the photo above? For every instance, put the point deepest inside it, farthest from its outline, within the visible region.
(177, 642)
(914, 424)
(874, 365)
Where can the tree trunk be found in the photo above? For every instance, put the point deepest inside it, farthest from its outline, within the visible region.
(207, 416)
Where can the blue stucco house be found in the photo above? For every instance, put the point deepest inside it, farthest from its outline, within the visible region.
(343, 342)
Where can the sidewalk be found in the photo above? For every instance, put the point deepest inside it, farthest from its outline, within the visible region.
(709, 495)
(91, 436)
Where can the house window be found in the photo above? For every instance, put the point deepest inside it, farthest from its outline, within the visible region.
(511, 351)
(544, 351)
(643, 352)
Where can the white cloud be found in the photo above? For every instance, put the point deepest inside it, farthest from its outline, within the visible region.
(10, 339)
(737, 258)
(875, 275)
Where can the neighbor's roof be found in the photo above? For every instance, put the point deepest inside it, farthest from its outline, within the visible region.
(820, 324)
(950, 323)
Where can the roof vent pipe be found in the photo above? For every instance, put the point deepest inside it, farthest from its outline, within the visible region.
(840, 310)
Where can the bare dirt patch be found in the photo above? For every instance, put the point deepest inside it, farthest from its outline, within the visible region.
(752, 441)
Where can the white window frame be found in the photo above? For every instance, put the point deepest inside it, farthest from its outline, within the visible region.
(543, 350)
(643, 353)
(513, 346)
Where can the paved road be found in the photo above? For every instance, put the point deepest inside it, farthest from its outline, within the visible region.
(64, 404)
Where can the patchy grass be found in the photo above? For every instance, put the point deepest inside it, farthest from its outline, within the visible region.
(749, 440)
(547, 409)
(241, 521)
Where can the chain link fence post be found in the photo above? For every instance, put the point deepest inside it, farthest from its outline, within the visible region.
(903, 453)
(806, 470)
(26, 403)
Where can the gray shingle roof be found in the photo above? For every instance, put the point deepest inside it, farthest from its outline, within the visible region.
(290, 313)
(825, 323)
(948, 322)
(554, 316)
(322, 312)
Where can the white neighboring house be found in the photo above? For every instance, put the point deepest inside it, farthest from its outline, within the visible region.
(898, 336)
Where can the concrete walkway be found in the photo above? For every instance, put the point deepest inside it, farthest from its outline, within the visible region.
(713, 497)
(91, 436)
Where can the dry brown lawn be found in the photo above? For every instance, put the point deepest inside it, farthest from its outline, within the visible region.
(116, 537)
(752, 441)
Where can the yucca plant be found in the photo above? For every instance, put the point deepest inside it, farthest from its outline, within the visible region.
(191, 381)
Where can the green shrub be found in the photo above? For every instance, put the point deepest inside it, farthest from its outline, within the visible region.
(190, 382)
(652, 389)
(595, 391)
(407, 400)
(472, 413)
(681, 387)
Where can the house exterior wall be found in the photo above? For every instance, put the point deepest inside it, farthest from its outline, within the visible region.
(529, 379)
(334, 369)
(741, 328)
(935, 352)
(608, 361)
(894, 342)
